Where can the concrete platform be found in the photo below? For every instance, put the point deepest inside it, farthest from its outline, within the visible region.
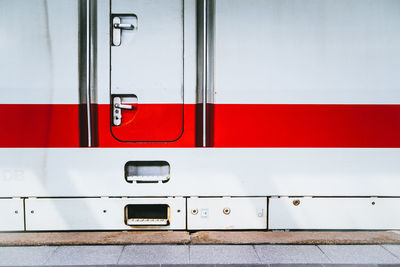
(206, 237)
(251, 248)
(306, 238)
(94, 238)
(203, 255)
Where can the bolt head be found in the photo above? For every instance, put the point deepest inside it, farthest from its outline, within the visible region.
(296, 202)
(194, 211)
(226, 211)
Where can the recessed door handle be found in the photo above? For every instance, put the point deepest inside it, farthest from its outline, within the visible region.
(123, 26)
(119, 104)
(118, 27)
(122, 106)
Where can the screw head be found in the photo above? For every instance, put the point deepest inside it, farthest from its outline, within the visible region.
(296, 202)
(194, 211)
(226, 211)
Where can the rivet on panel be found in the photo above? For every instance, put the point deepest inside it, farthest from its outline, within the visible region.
(194, 211)
(226, 211)
(296, 202)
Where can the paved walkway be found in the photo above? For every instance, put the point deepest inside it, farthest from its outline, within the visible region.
(327, 255)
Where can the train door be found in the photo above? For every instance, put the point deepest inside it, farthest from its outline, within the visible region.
(146, 70)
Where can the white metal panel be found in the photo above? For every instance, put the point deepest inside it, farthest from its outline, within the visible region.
(334, 213)
(94, 213)
(102, 55)
(190, 51)
(39, 52)
(227, 213)
(149, 62)
(12, 215)
(202, 172)
(288, 52)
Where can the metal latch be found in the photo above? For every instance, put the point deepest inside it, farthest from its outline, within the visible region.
(118, 106)
(118, 26)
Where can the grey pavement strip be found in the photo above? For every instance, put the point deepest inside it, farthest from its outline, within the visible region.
(85, 255)
(27, 256)
(350, 265)
(155, 254)
(234, 265)
(247, 265)
(103, 265)
(394, 249)
(358, 254)
(296, 265)
(223, 254)
(203, 255)
(291, 254)
(192, 265)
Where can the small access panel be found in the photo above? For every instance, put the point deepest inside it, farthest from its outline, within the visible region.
(146, 70)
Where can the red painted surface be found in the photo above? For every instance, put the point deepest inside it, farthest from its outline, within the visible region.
(306, 125)
(171, 126)
(39, 125)
(232, 125)
(150, 123)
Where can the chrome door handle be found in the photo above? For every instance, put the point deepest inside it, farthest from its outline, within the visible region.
(122, 106)
(118, 105)
(118, 27)
(123, 26)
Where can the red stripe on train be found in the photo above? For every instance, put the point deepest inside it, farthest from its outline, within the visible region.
(307, 125)
(36, 125)
(233, 125)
